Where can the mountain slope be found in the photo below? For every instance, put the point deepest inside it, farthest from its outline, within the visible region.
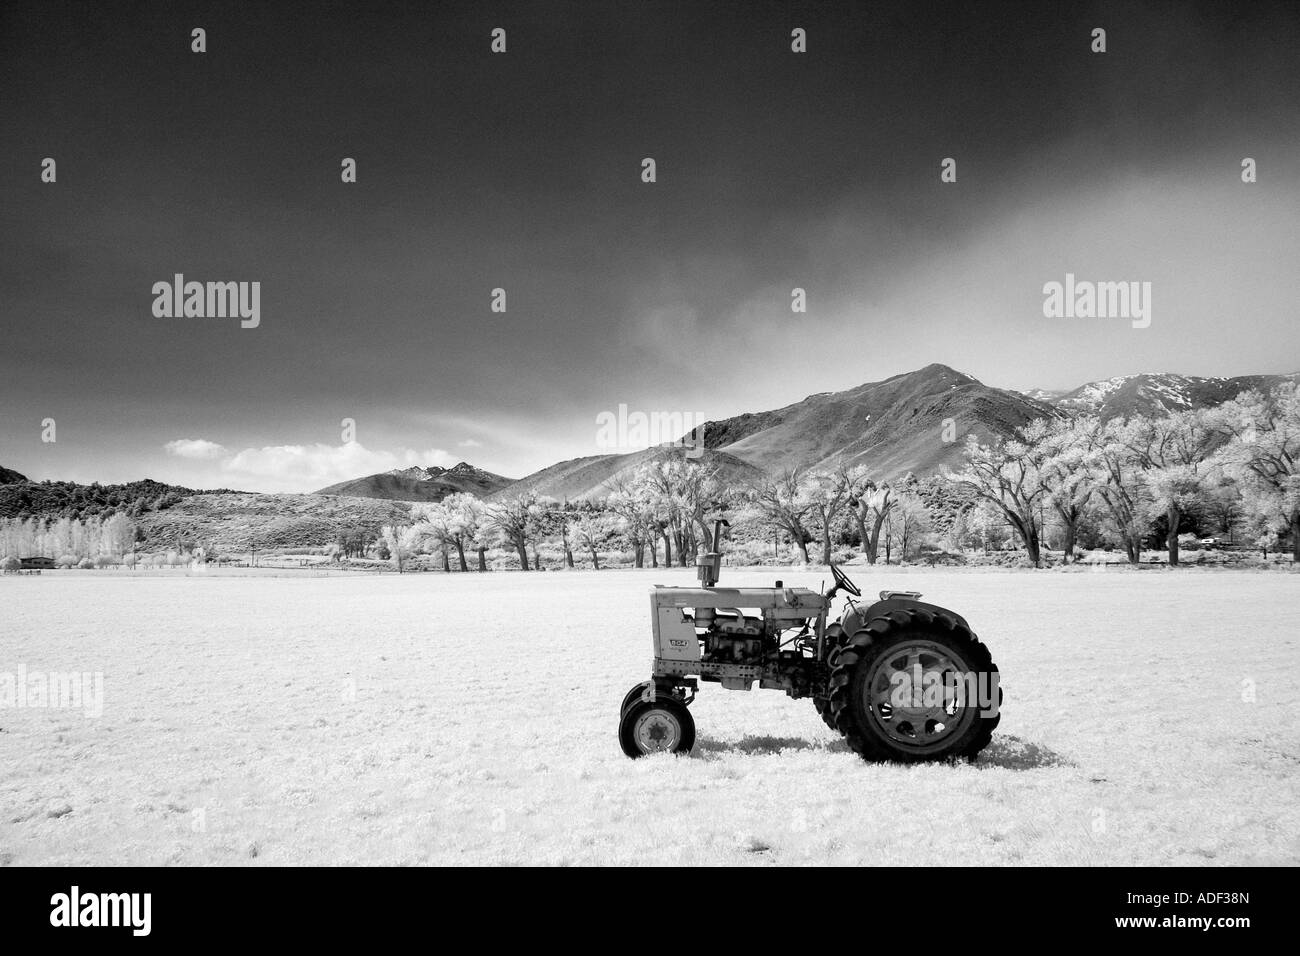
(10, 477)
(236, 521)
(421, 484)
(916, 422)
(592, 476)
(894, 426)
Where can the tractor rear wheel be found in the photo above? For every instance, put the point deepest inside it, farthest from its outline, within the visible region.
(824, 711)
(821, 701)
(662, 725)
(915, 686)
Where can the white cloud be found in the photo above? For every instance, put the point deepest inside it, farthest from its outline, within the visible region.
(309, 467)
(469, 443)
(196, 448)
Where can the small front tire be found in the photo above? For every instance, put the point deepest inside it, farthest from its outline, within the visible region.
(663, 725)
(633, 696)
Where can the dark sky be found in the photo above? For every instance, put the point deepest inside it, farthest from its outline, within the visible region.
(522, 171)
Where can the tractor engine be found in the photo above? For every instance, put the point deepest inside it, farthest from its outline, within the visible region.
(730, 637)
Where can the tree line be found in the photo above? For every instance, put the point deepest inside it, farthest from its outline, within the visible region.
(1236, 465)
(111, 535)
(661, 509)
(67, 499)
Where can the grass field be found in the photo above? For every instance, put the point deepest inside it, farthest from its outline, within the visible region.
(1150, 718)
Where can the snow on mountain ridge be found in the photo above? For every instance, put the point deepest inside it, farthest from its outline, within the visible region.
(1152, 393)
(423, 473)
(415, 472)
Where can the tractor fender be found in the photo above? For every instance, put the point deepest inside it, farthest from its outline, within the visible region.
(855, 619)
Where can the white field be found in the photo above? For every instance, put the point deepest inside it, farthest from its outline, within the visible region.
(482, 727)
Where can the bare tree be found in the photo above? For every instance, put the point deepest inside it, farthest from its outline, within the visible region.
(1121, 484)
(117, 534)
(868, 506)
(784, 502)
(1173, 453)
(435, 521)
(554, 519)
(563, 527)
(469, 525)
(1006, 475)
(515, 519)
(827, 494)
(908, 522)
(1264, 455)
(632, 500)
(1064, 473)
(684, 494)
(401, 541)
(590, 531)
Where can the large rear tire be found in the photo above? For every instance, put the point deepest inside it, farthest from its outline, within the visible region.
(663, 725)
(901, 689)
(824, 711)
(821, 701)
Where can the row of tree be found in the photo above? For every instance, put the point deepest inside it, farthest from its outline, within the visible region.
(663, 508)
(67, 499)
(92, 537)
(1238, 462)
(97, 541)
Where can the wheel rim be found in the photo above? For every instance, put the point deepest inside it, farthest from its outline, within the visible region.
(656, 731)
(914, 694)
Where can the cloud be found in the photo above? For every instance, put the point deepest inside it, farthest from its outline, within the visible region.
(469, 443)
(196, 448)
(309, 467)
(297, 468)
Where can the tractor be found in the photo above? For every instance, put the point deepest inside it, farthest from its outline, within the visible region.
(900, 679)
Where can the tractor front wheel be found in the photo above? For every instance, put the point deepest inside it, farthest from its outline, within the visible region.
(633, 696)
(662, 725)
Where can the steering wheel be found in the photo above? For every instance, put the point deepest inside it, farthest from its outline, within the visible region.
(843, 583)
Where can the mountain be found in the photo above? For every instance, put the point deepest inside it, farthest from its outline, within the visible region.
(914, 422)
(591, 477)
(10, 477)
(895, 426)
(1155, 394)
(917, 421)
(421, 484)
